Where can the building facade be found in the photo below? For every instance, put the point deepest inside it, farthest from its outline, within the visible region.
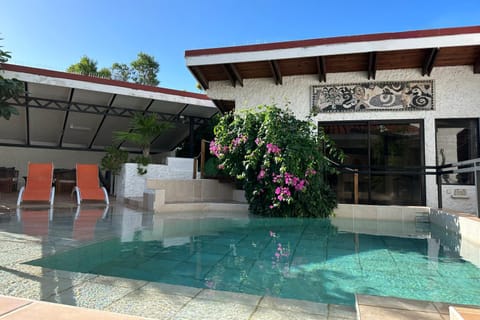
(395, 103)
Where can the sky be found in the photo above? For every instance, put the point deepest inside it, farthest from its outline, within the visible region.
(53, 34)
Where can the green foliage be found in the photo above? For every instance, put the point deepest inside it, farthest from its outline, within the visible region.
(211, 167)
(143, 130)
(9, 88)
(120, 71)
(144, 70)
(105, 73)
(280, 160)
(113, 159)
(85, 66)
(142, 163)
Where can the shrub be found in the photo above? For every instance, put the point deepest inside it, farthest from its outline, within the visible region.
(279, 159)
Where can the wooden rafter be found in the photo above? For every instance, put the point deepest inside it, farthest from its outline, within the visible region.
(372, 65)
(236, 74)
(199, 76)
(277, 75)
(229, 74)
(429, 61)
(321, 69)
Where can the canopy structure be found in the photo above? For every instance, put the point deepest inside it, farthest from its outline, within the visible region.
(69, 111)
(423, 49)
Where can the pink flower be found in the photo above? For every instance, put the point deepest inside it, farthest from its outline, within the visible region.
(278, 190)
(258, 141)
(261, 174)
(271, 206)
(221, 166)
(272, 148)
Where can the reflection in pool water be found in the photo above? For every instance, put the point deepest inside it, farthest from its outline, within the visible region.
(312, 259)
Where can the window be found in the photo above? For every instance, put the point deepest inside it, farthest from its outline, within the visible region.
(457, 140)
(389, 158)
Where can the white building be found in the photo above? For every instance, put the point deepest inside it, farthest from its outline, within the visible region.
(395, 103)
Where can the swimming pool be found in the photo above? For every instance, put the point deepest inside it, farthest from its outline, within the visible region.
(309, 259)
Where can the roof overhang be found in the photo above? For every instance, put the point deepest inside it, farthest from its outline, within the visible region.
(414, 49)
(70, 111)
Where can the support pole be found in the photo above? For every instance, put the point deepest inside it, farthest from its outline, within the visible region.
(202, 158)
(477, 186)
(355, 187)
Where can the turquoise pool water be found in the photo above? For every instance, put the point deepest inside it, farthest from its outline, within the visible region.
(307, 259)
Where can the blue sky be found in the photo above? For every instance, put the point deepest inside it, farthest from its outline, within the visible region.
(54, 34)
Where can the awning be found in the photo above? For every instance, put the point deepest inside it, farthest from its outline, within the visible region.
(69, 111)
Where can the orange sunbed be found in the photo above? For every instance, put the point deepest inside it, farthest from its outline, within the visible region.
(88, 184)
(39, 184)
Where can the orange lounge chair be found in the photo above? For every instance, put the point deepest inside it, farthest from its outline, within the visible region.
(88, 184)
(39, 184)
(86, 221)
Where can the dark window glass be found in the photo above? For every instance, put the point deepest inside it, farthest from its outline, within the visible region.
(456, 141)
(389, 157)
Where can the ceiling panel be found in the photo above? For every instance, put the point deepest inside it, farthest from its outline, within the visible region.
(111, 124)
(81, 128)
(13, 130)
(46, 125)
(166, 107)
(131, 102)
(48, 92)
(89, 97)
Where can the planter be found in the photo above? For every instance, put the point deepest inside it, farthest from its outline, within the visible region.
(129, 184)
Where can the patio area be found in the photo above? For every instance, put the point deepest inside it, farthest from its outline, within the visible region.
(28, 291)
(152, 300)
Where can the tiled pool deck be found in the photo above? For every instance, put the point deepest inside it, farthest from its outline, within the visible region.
(149, 300)
(130, 297)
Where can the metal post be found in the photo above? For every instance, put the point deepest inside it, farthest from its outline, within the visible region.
(439, 187)
(477, 186)
(355, 187)
(202, 159)
(191, 138)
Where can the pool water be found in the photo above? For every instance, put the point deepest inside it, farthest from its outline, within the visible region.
(309, 259)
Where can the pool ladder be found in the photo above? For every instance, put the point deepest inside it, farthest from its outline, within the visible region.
(422, 222)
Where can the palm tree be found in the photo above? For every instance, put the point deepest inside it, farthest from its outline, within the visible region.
(143, 130)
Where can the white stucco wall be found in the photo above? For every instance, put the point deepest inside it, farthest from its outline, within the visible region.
(130, 184)
(457, 95)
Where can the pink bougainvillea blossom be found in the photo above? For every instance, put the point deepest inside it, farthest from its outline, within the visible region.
(261, 174)
(273, 148)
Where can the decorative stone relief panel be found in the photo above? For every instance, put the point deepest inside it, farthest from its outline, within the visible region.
(390, 96)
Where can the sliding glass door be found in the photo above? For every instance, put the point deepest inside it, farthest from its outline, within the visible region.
(388, 156)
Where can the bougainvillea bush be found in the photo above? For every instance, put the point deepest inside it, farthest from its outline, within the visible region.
(280, 160)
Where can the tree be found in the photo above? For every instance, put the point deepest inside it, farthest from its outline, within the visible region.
(120, 71)
(85, 66)
(9, 88)
(104, 73)
(144, 70)
(280, 160)
(143, 130)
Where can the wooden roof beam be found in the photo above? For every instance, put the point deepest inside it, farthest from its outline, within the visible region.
(372, 65)
(198, 74)
(321, 69)
(233, 74)
(277, 75)
(237, 74)
(229, 74)
(476, 66)
(429, 61)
